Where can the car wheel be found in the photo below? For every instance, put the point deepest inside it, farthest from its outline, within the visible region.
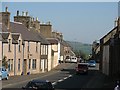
(6, 78)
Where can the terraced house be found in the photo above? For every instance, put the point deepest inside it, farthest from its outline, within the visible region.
(29, 47)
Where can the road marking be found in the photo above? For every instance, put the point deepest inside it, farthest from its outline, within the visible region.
(60, 80)
(39, 77)
(54, 83)
(28, 80)
(70, 76)
(65, 78)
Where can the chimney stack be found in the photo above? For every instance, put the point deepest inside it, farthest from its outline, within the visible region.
(17, 12)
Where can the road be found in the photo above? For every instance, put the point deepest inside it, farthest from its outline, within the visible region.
(63, 77)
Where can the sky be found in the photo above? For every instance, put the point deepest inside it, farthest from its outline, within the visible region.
(78, 21)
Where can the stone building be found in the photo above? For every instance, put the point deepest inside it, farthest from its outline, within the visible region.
(109, 52)
(46, 29)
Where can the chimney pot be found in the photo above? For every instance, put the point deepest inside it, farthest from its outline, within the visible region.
(23, 13)
(17, 13)
(49, 23)
(36, 18)
(6, 9)
(26, 13)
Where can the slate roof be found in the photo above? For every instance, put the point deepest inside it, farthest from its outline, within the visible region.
(39, 36)
(65, 43)
(26, 34)
(52, 40)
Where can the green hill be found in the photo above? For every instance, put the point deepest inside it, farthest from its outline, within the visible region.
(85, 48)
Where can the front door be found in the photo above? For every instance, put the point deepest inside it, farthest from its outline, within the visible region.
(42, 65)
(25, 67)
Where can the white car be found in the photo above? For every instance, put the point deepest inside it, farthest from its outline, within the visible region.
(3, 73)
(74, 59)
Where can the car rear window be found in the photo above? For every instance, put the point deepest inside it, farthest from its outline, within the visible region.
(82, 66)
(92, 61)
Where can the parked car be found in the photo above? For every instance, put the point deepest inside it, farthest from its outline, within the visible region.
(73, 59)
(82, 68)
(67, 60)
(37, 84)
(3, 73)
(92, 63)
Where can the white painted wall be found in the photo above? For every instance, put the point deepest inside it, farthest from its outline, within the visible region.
(59, 57)
(49, 57)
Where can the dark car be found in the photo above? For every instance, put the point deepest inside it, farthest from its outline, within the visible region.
(82, 68)
(38, 85)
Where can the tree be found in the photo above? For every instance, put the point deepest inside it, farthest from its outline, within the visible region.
(81, 54)
(5, 62)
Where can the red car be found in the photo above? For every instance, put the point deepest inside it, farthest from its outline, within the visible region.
(82, 68)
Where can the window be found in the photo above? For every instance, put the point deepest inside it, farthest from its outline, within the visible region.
(9, 45)
(29, 64)
(18, 64)
(46, 63)
(36, 46)
(42, 50)
(46, 50)
(19, 48)
(10, 64)
(28, 46)
(34, 64)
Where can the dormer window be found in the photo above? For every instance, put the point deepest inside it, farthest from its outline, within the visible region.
(9, 45)
(19, 47)
(36, 46)
(28, 46)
